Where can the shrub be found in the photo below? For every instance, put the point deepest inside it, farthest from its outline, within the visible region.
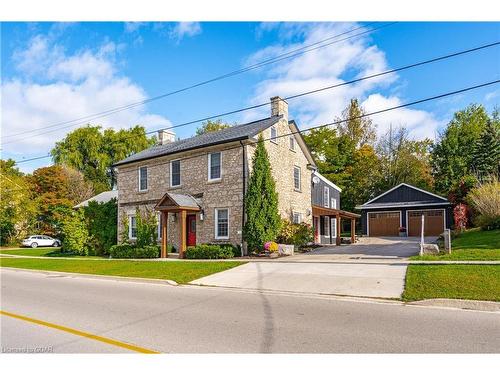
(236, 249)
(128, 251)
(101, 222)
(486, 201)
(75, 234)
(146, 224)
(206, 251)
(295, 234)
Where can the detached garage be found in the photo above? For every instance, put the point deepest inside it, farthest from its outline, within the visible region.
(403, 206)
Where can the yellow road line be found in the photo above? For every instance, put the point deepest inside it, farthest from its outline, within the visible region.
(81, 333)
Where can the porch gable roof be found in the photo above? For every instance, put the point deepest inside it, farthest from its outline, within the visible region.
(176, 202)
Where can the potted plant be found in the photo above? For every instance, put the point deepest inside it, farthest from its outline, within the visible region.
(402, 232)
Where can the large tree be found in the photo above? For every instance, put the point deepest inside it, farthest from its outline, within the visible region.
(17, 204)
(486, 159)
(403, 159)
(452, 157)
(52, 192)
(93, 151)
(356, 126)
(261, 202)
(211, 126)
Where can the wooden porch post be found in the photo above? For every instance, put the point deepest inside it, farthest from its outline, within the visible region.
(182, 241)
(353, 230)
(164, 248)
(337, 240)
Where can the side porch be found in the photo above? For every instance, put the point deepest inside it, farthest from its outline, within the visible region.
(327, 224)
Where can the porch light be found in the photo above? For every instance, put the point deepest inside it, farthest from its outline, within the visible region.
(308, 212)
(202, 215)
(174, 217)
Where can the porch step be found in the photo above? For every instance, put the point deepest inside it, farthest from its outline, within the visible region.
(173, 255)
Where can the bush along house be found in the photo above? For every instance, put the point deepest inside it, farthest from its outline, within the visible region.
(197, 184)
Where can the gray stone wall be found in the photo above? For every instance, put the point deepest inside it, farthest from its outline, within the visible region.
(226, 193)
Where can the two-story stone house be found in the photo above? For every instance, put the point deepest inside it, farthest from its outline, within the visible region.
(197, 184)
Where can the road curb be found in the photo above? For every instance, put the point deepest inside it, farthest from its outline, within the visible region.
(102, 277)
(464, 304)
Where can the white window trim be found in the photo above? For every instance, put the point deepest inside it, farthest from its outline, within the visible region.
(275, 138)
(130, 227)
(333, 224)
(333, 203)
(296, 213)
(300, 178)
(292, 142)
(180, 173)
(139, 177)
(210, 166)
(217, 237)
(326, 226)
(158, 219)
(326, 202)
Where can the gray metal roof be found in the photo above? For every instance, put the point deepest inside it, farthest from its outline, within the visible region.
(184, 200)
(402, 204)
(234, 133)
(103, 197)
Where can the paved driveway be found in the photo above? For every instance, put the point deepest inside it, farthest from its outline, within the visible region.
(374, 267)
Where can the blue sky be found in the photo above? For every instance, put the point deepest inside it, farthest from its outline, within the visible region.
(54, 72)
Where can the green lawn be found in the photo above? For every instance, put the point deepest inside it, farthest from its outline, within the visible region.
(181, 272)
(463, 281)
(473, 244)
(42, 252)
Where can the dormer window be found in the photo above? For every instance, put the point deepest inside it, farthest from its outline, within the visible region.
(274, 134)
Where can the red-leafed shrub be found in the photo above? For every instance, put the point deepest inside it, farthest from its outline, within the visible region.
(460, 216)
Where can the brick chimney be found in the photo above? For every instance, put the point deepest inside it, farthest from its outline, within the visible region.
(165, 136)
(279, 107)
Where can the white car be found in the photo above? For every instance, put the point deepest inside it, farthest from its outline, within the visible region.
(35, 241)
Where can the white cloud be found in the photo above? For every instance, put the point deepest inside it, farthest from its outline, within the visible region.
(65, 87)
(130, 27)
(182, 29)
(492, 95)
(335, 64)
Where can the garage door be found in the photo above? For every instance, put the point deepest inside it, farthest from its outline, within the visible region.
(433, 222)
(383, 224)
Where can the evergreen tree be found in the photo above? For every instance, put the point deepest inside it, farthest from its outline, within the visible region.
(261, 202)
(487, 151)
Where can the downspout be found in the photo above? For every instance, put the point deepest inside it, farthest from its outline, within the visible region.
(244, 192)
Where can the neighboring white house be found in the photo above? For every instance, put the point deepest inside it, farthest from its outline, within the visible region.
(103, 197)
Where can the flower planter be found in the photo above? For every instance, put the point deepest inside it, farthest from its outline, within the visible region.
(402, 234)
(285, 249)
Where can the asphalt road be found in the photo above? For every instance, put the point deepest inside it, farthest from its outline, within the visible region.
(191, 319)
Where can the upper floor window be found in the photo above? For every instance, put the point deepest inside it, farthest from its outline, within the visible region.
(175, 173)
(292, 143)
(326, 196)
(143, 178)
(333, 203)
(221, 223)
(296, 178)
(132, 227)
(274, 134)
(214, 166)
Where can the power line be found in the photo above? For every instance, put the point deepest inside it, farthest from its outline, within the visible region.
(287, 55)
(256, 106)
(338, 122)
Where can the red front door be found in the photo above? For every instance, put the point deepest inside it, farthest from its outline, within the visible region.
(191, 230)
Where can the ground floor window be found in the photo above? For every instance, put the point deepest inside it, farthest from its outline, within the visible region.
(132, 227)
(334, 227)
(221, 223)
(326, 226)
(297, 218)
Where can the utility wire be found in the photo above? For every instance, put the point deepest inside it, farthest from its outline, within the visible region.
(338, 122)
(287, 55)
(375, 75)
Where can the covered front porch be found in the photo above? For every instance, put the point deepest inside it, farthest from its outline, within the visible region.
(183, 209)
(326, 214)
